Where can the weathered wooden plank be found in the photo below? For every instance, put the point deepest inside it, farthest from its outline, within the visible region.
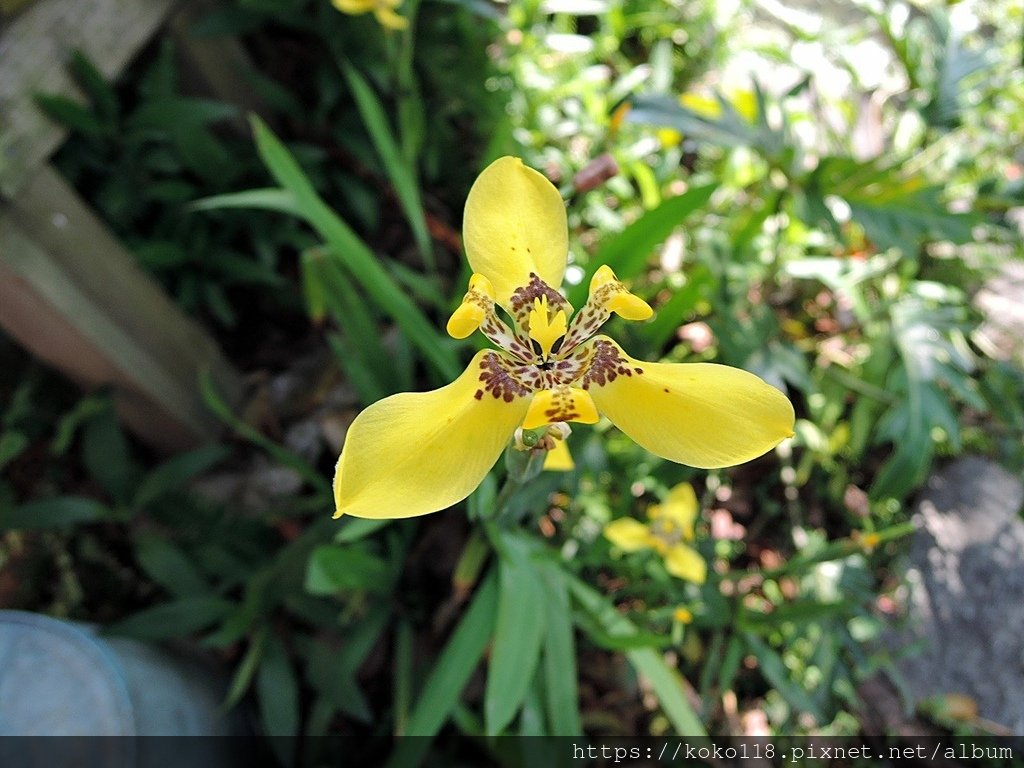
(34, 51)
(73, 296)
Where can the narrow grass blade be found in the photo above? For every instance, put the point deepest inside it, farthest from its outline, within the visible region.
(665, 681)
(443, 687)
(214, 402)
(627, 252)
(280, 200)
(357, 257)
(561, 683)
(401, 172)
(518, 635)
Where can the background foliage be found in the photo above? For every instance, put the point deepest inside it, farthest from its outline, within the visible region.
(813, 196)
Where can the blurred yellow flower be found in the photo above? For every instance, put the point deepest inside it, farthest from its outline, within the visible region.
(419, 452)
(682, 615)
(384, 10)
(671, 524)
(744, 102)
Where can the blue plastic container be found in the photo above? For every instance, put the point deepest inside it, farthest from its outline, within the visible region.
(59, 678)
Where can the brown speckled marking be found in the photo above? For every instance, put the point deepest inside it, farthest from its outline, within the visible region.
(563, 405)
(606, 364)
(499, 379)
(521, 301)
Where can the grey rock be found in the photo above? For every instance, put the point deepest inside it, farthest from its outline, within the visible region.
(966, 592)
(1001, 302)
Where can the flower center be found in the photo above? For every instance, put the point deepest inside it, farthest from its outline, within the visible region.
(547, 329)
(667, 532)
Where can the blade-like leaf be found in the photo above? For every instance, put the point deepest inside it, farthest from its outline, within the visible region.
(561, 685)
(665, 681)
(443, 687)
(280, 200)
(518, 635)
(168, 566)
(175, 619)
(52, 513)
(401, 173)
(627, 252)
(359, 260)
(175, 473)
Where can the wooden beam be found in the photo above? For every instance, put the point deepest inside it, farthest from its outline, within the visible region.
(72, 295)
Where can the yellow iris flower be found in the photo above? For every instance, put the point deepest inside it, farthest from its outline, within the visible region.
(415, 453)
(671, 524)
(384, 10)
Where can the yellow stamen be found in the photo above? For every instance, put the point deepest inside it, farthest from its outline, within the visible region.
(545, 329)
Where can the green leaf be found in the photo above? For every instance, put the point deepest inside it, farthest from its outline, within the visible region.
(174, 473)
(774, 669)
(670, 315)
(896, 208)
(246, 670)
(11, 445)
(280, 200)
(401, 173)
(356, 528)
(358, 259)
(664, 680)
(443, 687)
(168, 566)
(174, 619)
(278, 695)
(729, 129)
(361, 352)
(334, 569)
(161, 254)
(730, 664)
(169, 114)
(95, 85)
(333, 670)
(107, 455)
(71, 114)
(561, 686)
(70, 423)
(668, 687)
(52, 513)
(627, 253)
(216, 404)
(518, 636)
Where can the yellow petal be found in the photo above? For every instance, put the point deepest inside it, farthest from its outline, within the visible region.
(559, 459)
(476, 305)
(388, 19)
(607, 295)
(418, 452)
(629, 307)
(515, 224)
(465, 320)
(607, 291)
(701, 414)
(353, 6)
(686, 563)
(681, 507)
(560, 404)
(628, 534)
